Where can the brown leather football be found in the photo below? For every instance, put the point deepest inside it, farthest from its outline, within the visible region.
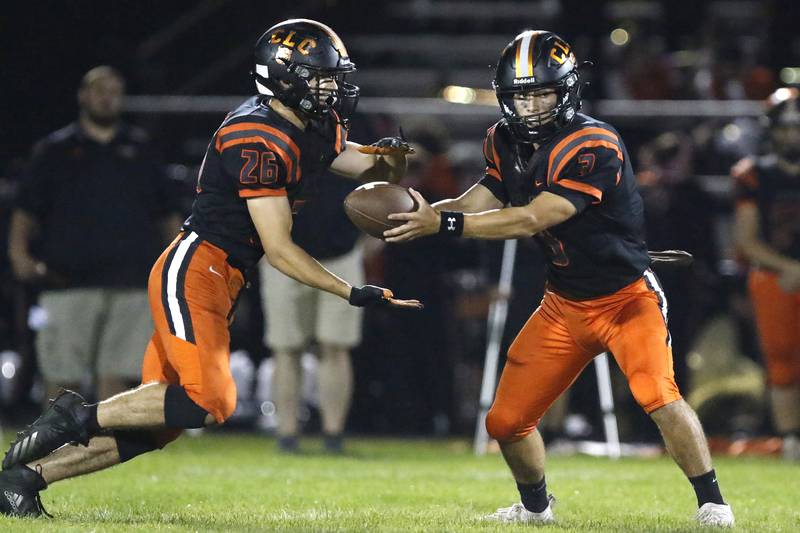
(369, 205)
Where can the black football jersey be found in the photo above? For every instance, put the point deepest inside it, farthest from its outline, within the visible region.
(776, 193)
(256, 152)
(599, 250)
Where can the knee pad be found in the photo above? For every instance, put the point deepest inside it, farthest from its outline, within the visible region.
(651, 393)
(131, 444)
(505, 427)
(165, 436)
(180, 411)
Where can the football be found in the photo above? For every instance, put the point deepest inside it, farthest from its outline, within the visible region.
(369, 205)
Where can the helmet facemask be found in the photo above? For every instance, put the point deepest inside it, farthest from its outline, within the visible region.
(540, 126)
(783, 122)
(313, 91)
(327, 91)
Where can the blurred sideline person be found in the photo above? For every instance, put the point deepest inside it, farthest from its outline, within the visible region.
(255, 167)
(680, 214)
(298, 316)
(767, 233)
(566, 179)
(92, 215)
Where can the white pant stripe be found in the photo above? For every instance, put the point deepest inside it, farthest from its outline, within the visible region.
(172, 285)
(653, 282)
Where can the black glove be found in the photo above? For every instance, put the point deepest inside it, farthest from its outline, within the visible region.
(369, 295)
(388, 146)
(398, 144)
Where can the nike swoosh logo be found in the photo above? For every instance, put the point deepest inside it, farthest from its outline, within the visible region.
(537, 183)
(211, 268)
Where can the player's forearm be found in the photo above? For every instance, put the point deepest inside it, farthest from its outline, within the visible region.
(451, 204)
(22, 230)
(764, 256)
(293, 261)
(508, 223)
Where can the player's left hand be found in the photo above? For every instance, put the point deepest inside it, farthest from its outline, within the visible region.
(424, 221)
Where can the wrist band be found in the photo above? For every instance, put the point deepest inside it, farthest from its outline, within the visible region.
(452, 223)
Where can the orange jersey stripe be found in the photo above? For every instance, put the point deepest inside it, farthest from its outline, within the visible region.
(244, 126)
(494, 173)
(338, 146)
(495, 156)
(339, 131)
(272, 146)
(486, 140)
(256, 193)
(582, 187)
(586, 144)
(574, 136)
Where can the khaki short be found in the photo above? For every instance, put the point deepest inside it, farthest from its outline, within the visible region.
(296, 314)
(93, 331)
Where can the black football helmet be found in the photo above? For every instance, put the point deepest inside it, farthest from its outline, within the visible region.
(782, 122)
(534, 61)
(289, 55)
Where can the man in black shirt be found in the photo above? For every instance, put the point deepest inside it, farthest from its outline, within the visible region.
(297, 315)
(92, 215)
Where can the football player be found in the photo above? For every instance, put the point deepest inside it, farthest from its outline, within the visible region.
(565, 179)
(767, 232)
(256, 165)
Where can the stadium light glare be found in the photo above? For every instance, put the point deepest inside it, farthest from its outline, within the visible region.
(459, 95)
(790, 75)
(456, 94)
(620, 37)
(9, 370)
(732, 132)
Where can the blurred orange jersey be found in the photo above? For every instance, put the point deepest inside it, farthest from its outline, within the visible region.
(775, 192)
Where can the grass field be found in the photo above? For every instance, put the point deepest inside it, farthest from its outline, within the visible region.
(224, 482)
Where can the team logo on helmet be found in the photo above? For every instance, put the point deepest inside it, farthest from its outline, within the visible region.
(283, 54)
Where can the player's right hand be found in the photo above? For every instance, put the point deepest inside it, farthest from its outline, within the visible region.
(368, 295)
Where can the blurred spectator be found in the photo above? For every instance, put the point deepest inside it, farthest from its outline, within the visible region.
(768, 236)
(679, 214)
(92, 214)
(298, 316)
(413, 393)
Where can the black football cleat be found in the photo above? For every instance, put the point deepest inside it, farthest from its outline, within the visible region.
(19, 492)
(63, 422)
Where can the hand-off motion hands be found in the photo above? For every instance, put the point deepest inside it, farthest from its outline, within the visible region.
(388, 146)
(424, 221)
(368, 295)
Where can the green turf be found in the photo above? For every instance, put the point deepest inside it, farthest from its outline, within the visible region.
(239, 483)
